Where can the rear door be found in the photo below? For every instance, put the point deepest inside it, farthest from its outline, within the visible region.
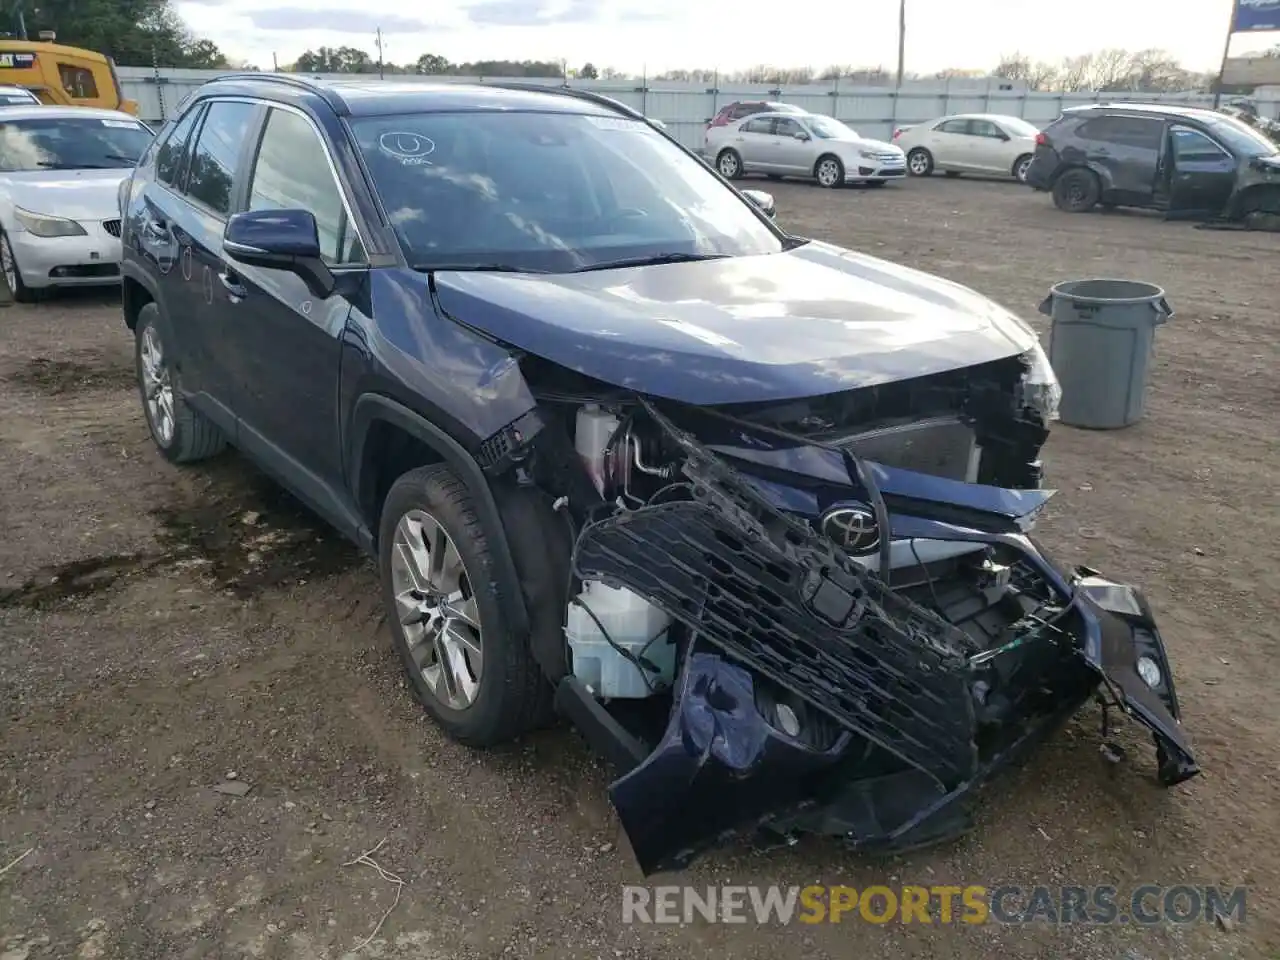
(289, 339)
(1125, 150)
(217, 158)
(949, 144)
(754, 142)
(1203, 172)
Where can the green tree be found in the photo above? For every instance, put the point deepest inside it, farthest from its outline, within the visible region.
(432, 64)
(588, 72)
(335, 60)
(132, 32)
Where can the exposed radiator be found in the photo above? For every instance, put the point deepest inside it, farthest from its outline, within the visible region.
(941, 447)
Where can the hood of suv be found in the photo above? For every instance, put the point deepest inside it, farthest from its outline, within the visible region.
(813, 320)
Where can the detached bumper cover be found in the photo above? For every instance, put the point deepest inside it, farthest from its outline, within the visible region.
(887, 743)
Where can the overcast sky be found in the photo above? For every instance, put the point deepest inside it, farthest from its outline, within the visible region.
(726, 34)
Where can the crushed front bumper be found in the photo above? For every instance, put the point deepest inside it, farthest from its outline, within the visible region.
(812, 697)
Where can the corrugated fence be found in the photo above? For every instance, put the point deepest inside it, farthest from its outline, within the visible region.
(685, 107)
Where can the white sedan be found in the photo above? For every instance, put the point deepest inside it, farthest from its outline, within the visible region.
(969, 143)
(807, 145)
(60, 173)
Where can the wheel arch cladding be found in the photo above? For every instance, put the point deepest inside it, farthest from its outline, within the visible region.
(133, 297)
(381, 427)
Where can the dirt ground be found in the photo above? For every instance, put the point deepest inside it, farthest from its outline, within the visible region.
(165, 630)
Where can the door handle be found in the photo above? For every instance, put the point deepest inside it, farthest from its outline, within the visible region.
(235, 290)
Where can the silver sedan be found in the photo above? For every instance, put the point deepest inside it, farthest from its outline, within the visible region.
(60, 174)
(810, 146)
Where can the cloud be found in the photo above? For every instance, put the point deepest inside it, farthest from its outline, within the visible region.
(543, 13)
(333, 20)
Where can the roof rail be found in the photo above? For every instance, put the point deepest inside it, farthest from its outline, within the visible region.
(597, 98)
(299, 81)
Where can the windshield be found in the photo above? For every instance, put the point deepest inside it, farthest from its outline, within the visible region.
(66, 143)
(549, 192)
(1016, 127)
(1240, 137)
(825, 128)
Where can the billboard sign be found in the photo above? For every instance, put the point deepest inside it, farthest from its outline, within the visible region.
(1256, 15)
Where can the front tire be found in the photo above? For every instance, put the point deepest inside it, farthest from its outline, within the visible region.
(729, 164)
(829, 172)
(1077, 191)
(12, 275)
(180, 432)
(920, 162)
(475, 678)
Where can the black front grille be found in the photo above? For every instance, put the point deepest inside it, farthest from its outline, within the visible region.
(112, 227)
(766, 590)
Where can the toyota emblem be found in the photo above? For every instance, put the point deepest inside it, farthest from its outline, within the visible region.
(852, 529)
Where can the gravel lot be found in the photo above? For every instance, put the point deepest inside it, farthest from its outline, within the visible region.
(163, 629)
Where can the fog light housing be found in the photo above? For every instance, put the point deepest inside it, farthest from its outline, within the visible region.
(1149, 671)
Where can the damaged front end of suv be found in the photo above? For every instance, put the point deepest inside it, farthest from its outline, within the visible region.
(824, 614)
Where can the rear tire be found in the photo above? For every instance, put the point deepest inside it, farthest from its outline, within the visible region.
(1077, 191)
(1021, 166)
(181, 433)
(729, 164)
(920, 162)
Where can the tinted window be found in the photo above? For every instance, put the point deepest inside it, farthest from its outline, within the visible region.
(292, 172)
(173, 149)
(985, 128)
(548, 191)
(1126, 131)
(71, 143)
(1191, 146)
(953, 126)
(758, 126)
(738, 111)
(213, 161)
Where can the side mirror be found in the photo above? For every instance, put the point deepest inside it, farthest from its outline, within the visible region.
(801, 135)
(762, 200)
(280, 240)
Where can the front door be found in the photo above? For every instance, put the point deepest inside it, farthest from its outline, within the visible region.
(1203, 173)
(791, 150)
(290, 338)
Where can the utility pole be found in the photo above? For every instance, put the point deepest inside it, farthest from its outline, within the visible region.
(381, 76)
(275, 64)
(902, 38)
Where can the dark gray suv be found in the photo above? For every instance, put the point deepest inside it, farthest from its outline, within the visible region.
(1188, 162)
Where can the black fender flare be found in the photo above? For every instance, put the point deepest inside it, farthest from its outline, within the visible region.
(371, 408)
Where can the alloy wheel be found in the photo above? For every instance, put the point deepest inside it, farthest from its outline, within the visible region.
(1023, 167)
(919, 164)
(828, 173)
(8, 265)
(728, 166)
(157, 386)
(437, 609)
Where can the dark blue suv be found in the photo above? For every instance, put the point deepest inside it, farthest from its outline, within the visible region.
(751, 510)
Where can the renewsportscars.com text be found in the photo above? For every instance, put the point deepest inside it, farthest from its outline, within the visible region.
(1147, 904)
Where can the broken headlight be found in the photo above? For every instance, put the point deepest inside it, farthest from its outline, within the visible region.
(1039, 387)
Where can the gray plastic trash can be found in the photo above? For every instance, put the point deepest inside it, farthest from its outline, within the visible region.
(1100, 348)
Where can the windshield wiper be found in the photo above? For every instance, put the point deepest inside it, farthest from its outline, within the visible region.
(652, 260)
(474, 268)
